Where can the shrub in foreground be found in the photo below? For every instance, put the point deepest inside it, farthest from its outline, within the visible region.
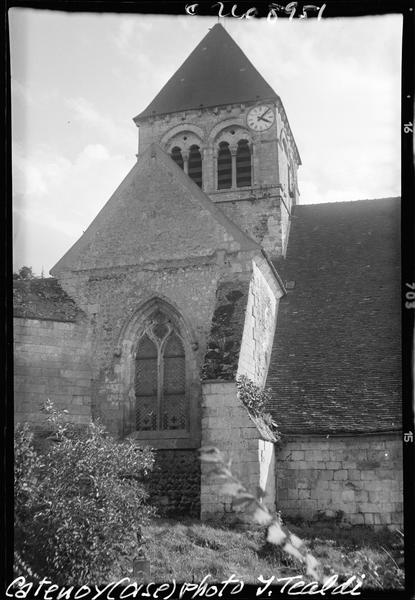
(80, 503)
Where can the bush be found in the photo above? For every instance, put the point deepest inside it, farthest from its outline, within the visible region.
(79, 505)
(254, 398)
(256, 401)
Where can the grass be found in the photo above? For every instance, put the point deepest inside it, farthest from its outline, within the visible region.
(189, 550)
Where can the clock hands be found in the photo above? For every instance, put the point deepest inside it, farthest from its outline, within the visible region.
(262, 117)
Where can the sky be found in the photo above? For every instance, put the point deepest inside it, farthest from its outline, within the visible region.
(78, 79)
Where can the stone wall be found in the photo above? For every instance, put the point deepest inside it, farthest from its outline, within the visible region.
(226, 423)
(174, 483)
(259, 216)
(259, 326)
(360, 476)
(113, 299)
(51, 360)
(227, 426)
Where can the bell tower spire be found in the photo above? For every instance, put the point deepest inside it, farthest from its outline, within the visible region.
(224, 125)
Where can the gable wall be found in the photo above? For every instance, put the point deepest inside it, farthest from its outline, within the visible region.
(156, 214)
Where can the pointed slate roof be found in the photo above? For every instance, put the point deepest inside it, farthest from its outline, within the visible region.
(156, 212)
(217, 72)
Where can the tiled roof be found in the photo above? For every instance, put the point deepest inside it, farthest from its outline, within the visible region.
(217, 72)
(43, 299)
(336, 360)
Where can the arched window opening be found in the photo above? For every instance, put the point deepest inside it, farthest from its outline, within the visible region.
(284, 143)
(160, 377)
(176, 155)
(243, 164)
(224, 167)
(290, 182)
(195, 165)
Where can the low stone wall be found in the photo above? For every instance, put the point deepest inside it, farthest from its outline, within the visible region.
(360, 476)
(227, 426)
(174, 483)
(51, 360)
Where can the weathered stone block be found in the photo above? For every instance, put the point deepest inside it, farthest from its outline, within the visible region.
(385, 518)
(348, 464)
(369, 507)
(357, 519)
(323, 484)
(368, 476)
(369, 519)
(326, 475)
(348, 496)
(362, 496)
(297, 455)
(334, 465)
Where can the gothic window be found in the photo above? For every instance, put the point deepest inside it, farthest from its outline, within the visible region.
(160, 377)
(224, 166)
(176, 155)
(195, 165)
(243, 164)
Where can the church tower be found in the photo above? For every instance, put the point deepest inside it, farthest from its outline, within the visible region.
(227, 129)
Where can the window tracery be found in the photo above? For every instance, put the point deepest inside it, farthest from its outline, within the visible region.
(160, 377)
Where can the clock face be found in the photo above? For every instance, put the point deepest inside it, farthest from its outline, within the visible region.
(260, 117)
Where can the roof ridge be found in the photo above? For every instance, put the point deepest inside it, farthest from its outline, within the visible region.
(343, 202)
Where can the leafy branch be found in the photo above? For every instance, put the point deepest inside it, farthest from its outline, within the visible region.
(277, 533)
